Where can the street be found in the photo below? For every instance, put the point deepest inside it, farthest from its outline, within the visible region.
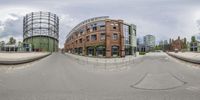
(155, 76)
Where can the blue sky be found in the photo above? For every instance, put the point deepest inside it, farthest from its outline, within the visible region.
(163, 18)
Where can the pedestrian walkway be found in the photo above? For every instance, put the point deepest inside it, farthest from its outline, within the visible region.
(16, 58)
(187, 56)
(104, 60)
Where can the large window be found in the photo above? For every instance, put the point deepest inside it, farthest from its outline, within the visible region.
(100, 51)
(115, 51)
(115, 36)
(102, 36)
(102, 27)
(94, 37)
(126, 31)
(90, 51)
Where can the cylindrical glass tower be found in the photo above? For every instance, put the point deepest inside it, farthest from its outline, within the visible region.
(41, 29)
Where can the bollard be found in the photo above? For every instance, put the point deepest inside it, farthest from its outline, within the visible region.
(105, 64)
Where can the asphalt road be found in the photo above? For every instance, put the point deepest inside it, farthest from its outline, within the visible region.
(58, 77)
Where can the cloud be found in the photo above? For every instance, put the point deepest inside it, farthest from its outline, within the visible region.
(198, 24)
(163, 18)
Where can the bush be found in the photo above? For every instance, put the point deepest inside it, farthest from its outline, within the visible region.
(142, 53)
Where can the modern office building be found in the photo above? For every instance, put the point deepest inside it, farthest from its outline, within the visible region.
(102, 37)
(149, 43)
(149, 40)
(41, 30)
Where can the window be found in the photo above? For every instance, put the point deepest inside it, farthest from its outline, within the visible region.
(114, 27)
(102, 36)
(115, 51)
(100, 51)
(94, 28)
(102, 27)
(94, 37)
(115, 36)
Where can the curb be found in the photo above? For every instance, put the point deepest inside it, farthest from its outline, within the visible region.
(22, 61)
(196, 61)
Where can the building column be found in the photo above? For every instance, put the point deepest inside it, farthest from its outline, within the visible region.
(121, 37)
(108, 39)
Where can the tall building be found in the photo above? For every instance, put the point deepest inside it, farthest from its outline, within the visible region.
(102, 37)
(41, 30)
(149, 40)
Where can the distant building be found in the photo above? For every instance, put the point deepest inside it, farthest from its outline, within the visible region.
(139, 41)
(16, 48)
(194, 45)
(149, 40)
(178, 44)
(143, 48)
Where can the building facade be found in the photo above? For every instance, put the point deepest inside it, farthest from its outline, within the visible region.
(149, 43)
(194, 45)
(178, 44)
(102, 37)
(41, 30)
(16, 48)
(149, 40)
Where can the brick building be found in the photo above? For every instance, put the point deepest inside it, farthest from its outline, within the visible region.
(178, 44)
(102, 37)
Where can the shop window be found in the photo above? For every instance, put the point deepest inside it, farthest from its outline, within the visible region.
(115, 51)
(100, 51)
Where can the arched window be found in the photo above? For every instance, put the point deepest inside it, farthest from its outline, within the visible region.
(90, 51)
(100, 51)
(115, 51)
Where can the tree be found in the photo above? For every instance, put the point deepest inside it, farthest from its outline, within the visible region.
(193, 39)
(12, 41)
(19, 43)
(2, 43)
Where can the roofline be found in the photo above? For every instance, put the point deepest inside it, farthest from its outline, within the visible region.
(94, 19)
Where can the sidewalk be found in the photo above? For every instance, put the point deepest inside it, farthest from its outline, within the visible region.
(103, 60)
(187, 56)
(104, 64)
(18, 58)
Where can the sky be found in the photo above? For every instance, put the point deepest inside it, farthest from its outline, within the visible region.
(162, 18)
